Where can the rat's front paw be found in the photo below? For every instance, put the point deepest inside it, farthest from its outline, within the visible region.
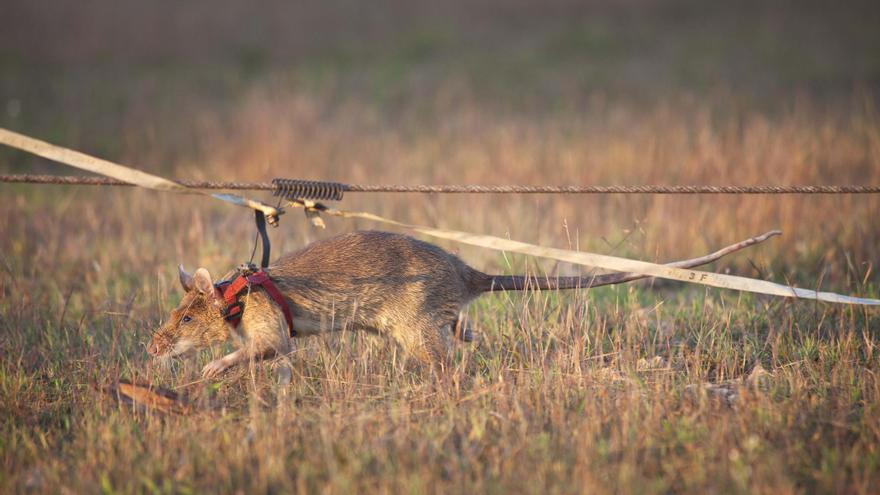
(214, 368)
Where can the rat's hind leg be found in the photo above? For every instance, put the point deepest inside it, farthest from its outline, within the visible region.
(462, 328)
(426, 342)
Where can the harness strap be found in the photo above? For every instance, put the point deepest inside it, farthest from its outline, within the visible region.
(229, 292)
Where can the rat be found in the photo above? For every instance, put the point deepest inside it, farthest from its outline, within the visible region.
(389, 284)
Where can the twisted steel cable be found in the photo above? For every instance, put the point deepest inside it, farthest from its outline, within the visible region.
(289, 187)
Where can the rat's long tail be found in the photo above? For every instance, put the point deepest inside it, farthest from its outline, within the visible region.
(494, 283)
(481, 282)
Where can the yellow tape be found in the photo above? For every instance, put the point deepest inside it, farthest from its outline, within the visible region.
(99, 166)
(612, 263)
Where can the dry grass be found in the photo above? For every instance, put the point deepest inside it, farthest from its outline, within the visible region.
(646, 388)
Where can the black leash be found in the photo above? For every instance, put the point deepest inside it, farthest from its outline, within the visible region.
(260, 219)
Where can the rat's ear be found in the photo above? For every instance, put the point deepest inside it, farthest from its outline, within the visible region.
(202, 282)
(186, 280)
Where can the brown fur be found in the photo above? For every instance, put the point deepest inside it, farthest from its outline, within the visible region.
(390, 284)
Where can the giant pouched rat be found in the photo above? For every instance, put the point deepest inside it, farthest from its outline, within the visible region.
(385, 283)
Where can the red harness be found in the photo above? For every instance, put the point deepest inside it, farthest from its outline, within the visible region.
(230, 290)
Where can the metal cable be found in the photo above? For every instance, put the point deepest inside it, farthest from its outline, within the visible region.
(643, 189)
(83, 180)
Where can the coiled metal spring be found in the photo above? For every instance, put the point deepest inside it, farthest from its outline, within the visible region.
(308, 189)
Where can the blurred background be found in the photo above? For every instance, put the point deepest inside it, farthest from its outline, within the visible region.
(601, 391)
(494, 92)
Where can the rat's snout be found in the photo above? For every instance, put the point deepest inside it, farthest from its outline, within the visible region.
(153, 348)
(159, 343)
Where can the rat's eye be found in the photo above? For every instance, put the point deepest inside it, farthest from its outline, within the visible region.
(186, 319)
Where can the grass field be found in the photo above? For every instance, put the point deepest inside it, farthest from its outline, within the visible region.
(651, 387)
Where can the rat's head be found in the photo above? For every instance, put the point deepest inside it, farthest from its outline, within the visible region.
(195, 323)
